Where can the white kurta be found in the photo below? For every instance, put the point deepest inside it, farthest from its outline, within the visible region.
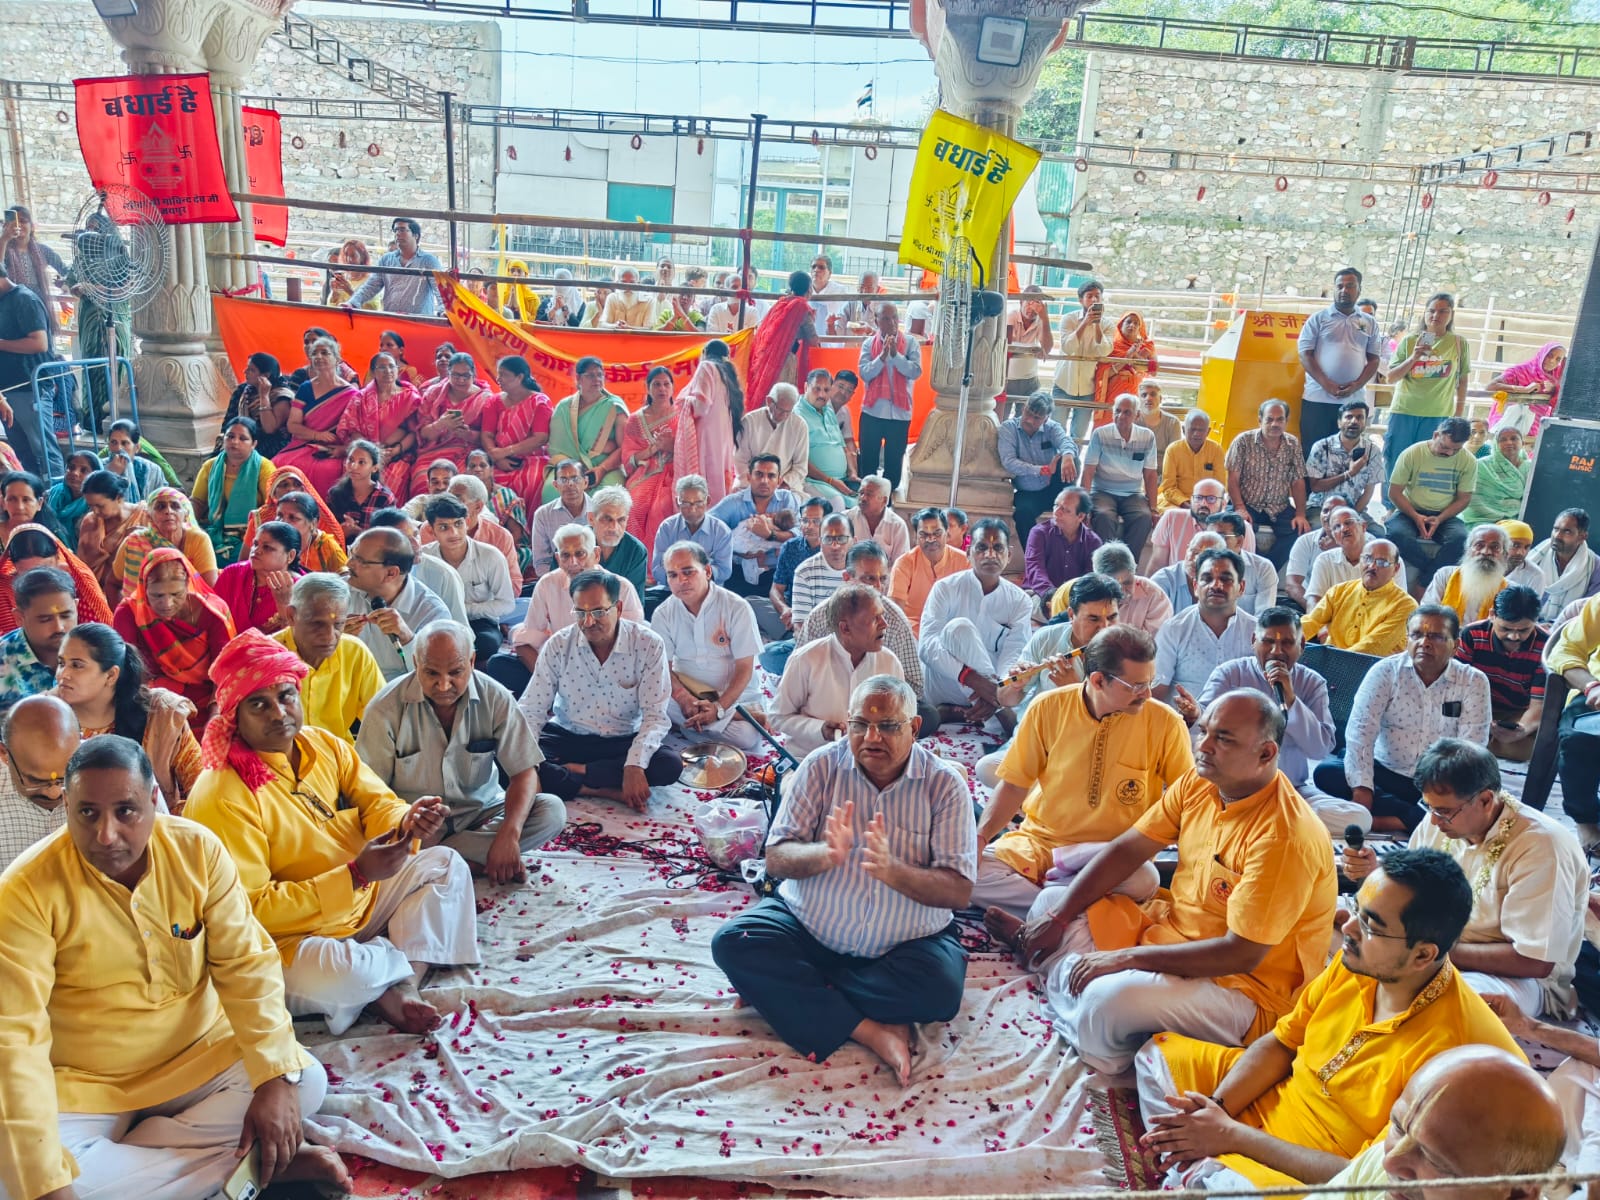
(964, 627)
(790, 441)
(707, 646)
(816, 687)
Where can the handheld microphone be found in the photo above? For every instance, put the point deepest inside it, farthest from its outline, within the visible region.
(1353, 837)
(1277, 690)
(376, 603)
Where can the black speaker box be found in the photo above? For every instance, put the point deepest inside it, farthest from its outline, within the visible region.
(1580, 384)
(1566, 474)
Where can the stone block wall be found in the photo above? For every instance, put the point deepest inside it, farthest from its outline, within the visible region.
(1483, 242)
(64, 39)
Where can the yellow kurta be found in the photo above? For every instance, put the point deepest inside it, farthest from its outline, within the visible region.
(1088, 780)
(336, 693)
(1182, 468)
(1578, 645)
(324, 554)
(107, 1010)
(1260, 868)
(1356, 619)
(294, 861)
(201, 493)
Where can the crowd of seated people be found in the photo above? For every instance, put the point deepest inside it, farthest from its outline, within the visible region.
(385, 657)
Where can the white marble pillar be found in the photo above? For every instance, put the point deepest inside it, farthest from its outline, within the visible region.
(991, 96)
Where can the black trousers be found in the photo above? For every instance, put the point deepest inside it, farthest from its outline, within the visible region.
(486, 639)
(1282, 526)
(1578, 765)
(506, 669)
(604, 758)
(814, 997)
(1451, 538)
(889, 437)
(1030, 506)
(1393, 794)
(1317, 421)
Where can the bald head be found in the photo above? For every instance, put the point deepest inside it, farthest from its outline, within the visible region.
(39, 735)
(1473, 1110)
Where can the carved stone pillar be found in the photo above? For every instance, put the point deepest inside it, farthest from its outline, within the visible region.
(991, 96)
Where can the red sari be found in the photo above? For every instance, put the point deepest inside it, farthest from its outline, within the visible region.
(377, 419)
(455, 446)
(508, 426)
(650, 483)
(777, 337)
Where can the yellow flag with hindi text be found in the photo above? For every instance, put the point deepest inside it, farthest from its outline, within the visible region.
(965, 180)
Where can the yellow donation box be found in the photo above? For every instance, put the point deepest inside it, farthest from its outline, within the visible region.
(1255, 360)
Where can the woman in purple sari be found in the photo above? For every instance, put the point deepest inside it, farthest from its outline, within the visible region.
(315, 446)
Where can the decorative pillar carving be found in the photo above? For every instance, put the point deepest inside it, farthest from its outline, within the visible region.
(991, 96)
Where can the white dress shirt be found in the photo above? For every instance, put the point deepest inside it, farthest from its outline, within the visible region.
(892, 533)
(550, 609)
(1395, 718)
(417, 606)
(816, 686)
(626, 694)
(1187, 651)
(706, 647)
(485, 579)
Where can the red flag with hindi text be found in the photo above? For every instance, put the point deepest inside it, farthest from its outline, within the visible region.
(158, 135)
(263, 162)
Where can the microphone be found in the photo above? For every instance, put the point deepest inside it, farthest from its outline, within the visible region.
(1277, 690)
(986, 304)
(376, 603)
(1353, 837)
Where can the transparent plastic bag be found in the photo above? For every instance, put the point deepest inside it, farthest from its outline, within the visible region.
(731, 831)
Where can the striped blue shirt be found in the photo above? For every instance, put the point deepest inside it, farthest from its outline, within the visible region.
(928, 811)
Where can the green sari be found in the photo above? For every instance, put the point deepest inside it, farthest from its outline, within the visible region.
(584, 437)
(1498, 495)
(226, 521)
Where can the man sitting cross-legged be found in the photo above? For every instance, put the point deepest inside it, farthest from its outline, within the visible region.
(873, 823)
(812, 705)
(1246, 922)
(1087, 761)
(1530, 878)
(447, 730)
(144, 1042)
(599, 697)
(324, 850)
(1303, 1099)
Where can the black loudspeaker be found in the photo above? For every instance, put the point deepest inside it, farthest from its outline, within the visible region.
(1566, 474)
(1580, 385)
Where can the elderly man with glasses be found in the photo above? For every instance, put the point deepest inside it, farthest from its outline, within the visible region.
(1367, 614)
(873, 824)
(37, 737)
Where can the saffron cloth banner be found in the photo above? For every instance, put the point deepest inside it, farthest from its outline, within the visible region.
(263, 163)
(158, 135)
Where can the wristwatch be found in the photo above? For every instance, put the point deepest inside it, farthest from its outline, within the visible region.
(292, 1078)
(721, 712)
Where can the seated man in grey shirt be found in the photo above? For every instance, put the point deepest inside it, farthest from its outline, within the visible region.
(447, 730)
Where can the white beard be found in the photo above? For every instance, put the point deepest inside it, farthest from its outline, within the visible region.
(628, 297)
(1480, 580)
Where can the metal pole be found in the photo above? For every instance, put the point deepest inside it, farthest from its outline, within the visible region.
(750, 215)
(450, 171)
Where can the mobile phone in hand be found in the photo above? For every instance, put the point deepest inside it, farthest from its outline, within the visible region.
(1358, 454)
(245, 1182)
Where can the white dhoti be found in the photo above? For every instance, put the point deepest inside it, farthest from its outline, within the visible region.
(948, 652)
(732, 729)
(1335, 814)
(1004, 887)
(987, 768)
(180, 1150)
(1577, 1086)
(1153, 1078)
(424, 914)
(473, 837)
(1116, 1013)
(1526, 994)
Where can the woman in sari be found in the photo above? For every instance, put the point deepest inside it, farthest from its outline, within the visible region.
(360, 492)
(441, 364)
(256, 591)
(65, 501)
(105, 526)
(516, 431)
(289, 480)
(1535, 383)
(448, 422)
(392, 344)
(22, 495)
(564, 305)
(386, 412)
(507, 508)
(517, 300)
(1133, 357)
(174, 619)
(315, 446)
(319, 551)
(587, 428)
(171, 527)
(104, 682)
(35, 546)
(712, 409)
(648, 437)
(265, 397)
(229, 486)
(1502, 481)
(782, 342)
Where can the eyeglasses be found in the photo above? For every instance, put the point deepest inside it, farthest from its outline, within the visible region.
(1437, 639)
(1138, 689)
(836, 539)
(1446, 816)
(1368, 931)
(886, 729)
(591, 614)
(1380, 563)
(313, 802)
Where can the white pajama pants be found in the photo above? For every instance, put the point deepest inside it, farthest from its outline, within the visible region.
(180, 1150)
(1115, 1014)
(946, 654)
(1526, 994)
(424, 914)
(734, 730)
(1334, 813)
(1154, 1080)
(546, 818)
(1004, 887)
(1577, 1086)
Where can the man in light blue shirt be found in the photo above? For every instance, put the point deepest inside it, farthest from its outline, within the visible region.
(1200, 638)
(1339, 349)
(1040, 458)
(876, 846)
(691, 523)
(414, 294)
(1121, 473)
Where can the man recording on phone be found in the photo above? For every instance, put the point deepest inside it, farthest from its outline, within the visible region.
(1086, 337)
(1346, 464)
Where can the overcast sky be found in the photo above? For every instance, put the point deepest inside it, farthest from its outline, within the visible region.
(640, 68)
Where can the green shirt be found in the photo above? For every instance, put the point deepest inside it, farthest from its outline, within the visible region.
(827, 439)
(1430, 482)
(1428, 389)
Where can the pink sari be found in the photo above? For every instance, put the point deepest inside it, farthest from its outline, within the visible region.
(377, 419)
(704, 444)
(650, 483)
(436, 401)
(508, 426)
(322, 464)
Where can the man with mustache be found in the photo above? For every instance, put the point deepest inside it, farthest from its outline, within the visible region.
(1471, 586)
(1367, 614)
(1342, 561)
(1196, 641)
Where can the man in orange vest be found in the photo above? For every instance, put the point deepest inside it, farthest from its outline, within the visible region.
(890, 360)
